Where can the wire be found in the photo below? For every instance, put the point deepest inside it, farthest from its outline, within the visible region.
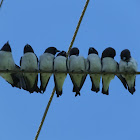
(68, 72)
(1, 3)
(71, 44)
(45, 113)
(77, 28)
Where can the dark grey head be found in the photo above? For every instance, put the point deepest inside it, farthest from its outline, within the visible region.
(92, 51)
(125, 55)
(74, 51)
(108, 52)
(6, 47)
(51, 50)
(28, 48)
(62, 53)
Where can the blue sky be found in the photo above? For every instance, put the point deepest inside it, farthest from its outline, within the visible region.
(52, 23)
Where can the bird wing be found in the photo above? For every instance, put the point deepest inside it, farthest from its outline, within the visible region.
(121, 78)
(20, 61)
(41, 86)
(74, 84)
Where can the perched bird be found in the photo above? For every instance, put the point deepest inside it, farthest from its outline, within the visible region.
(128, 64)
(60, 65)
(29, 61)
(7, 63)
(46, 63)
(109, 65)
(94, 65)
(77, 63)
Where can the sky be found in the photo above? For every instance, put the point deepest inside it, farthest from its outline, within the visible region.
(107, 23)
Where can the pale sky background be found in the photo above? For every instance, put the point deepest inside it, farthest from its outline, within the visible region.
(44, 23)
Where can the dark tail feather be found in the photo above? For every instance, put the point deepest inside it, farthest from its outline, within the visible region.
(24, 83)
(37, 89)
(16, 81)
(34, 89)
(41, 88)
(58, 93)
(77, 93)
(105, 92)
(74, 89)
(131, 90)
(94, 88)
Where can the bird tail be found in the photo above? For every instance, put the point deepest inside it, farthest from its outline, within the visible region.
(105, 92)
(22, 82)
(58, 93)
(37, 89)
(77, 93)
(122, 80)
(131, 90)
(16, 81)
(93, 88)
(75, 89)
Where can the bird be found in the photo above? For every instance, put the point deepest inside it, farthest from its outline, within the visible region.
(109, 65)
(128, 64)
(60, 65)
(29, 61)
(46, 63)
(7, 63)
(76, 63)
(93, 64)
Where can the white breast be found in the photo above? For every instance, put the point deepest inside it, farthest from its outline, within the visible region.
(77, 63)
(60, 63)
(29, 61)
(6, 61)
(46, 61)
(109, 65)
(94, 63)
(130, 66)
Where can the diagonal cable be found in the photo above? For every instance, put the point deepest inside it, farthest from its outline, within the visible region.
(71, 44)
(1, 3)
(77, 28)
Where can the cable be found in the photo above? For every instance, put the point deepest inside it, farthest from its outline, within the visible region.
(45, 113)
(68, 72)
(77, 28)
(1, 3)
(73, 39)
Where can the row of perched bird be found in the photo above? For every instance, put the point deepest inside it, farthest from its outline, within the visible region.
(75, 63)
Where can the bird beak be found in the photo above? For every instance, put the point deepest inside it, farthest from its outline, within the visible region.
(58, 51)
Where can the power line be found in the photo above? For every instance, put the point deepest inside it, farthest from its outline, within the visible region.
(71, 44)
(1, 3)
(66, 72)
(77, 28)
(44, 115)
